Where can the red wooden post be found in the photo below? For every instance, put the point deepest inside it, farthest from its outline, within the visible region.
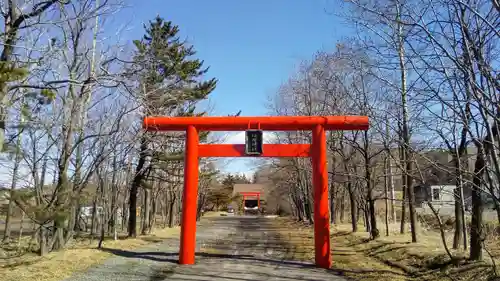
(321, 214)
(190, 198)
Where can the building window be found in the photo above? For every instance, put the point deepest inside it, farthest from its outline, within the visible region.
(435, 194)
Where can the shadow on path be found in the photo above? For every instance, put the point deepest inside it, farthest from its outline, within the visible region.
(173, 257)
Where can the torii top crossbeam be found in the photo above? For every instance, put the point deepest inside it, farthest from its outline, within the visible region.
(266, 123)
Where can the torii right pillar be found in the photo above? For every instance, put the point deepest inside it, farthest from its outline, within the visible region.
(323, 257)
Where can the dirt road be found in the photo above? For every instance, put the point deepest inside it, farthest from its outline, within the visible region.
(228, 248)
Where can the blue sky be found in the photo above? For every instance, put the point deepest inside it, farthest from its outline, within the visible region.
(250, 46)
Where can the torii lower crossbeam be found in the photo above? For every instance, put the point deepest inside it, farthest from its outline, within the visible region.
(317, 151)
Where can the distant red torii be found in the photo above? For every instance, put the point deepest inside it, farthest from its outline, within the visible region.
(245, 195)
(317, 151)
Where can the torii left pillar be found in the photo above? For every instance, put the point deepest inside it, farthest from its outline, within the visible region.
(190, 195)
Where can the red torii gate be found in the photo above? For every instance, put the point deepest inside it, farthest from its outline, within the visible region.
(251, 194)
(317, 151)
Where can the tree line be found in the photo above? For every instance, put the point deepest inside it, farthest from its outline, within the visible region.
(426, 73)
(72, 104)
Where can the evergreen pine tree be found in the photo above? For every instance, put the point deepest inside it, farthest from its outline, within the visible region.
(170, 83)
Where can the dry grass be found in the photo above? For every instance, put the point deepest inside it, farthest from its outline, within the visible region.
(387, 258)
(78, 257)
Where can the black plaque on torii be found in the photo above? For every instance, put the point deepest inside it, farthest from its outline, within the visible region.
(253, 142)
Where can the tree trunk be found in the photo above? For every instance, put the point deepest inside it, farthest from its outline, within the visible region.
(402, 229)
(39, 183)
(333, 212)
(298, 207)
(386, 195)
(42, 241)
(354, 207)
(405, 132)
(306, 195)
(390, 178)
(394, 217)
(10, 208)
(171, 206)
(411, 203)
(60, 223)
(93, 222)
(374, 232)
(179, 207)
(476, 230)
(342, 207)
(333, 190)
(366, 217)
(497, 209)
(64, 192)
(201, 204)
(11, 33)
(134, 189)
(102, 215)
(124, 212)
(21, 229)
(114, 196)
(152, 214)
(146, 210)
(457, 237)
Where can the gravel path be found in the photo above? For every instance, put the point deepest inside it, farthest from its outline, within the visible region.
(228, 249)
